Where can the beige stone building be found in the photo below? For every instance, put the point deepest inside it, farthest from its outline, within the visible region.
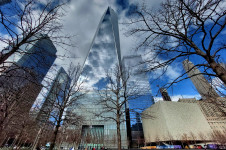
(204, 88)
(174, 121)
(214, 111)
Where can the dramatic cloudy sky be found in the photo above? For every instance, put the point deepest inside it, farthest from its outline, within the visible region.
(83, 16)
(82, 19)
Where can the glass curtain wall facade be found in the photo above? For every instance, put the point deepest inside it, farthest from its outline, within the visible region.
(41, 110)
(92, 136)
(28, 70)
(39, 58)
(104, 54)
(138, 81)
(36, 62)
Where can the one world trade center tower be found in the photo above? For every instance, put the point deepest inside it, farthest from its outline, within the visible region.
(104, 54)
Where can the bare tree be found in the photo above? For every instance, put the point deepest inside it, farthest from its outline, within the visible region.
(19, 126)
(158, 141)
(67, 92)
(170, 138)
(182, 29)
(115, 96)
(25, 24)
(24, 20)
(73, 137)
(15, 104)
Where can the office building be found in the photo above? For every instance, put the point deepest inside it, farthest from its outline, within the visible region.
(28, 71)
(21, 82)
(33, 61)
(104, 54)
(39, 58)
(175, 121)
(212, 105)
(165, 94)
(137, 134)
(213, 110)
(41, 109)
(201, 84)
(138, 84)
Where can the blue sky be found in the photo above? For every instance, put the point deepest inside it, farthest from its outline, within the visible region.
(82, 18)
(182, 89)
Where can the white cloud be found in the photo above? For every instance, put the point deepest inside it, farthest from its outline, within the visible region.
(173, 72)
(82, 19)
(3, 42)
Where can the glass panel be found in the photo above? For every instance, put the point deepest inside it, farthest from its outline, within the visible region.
(102, 56)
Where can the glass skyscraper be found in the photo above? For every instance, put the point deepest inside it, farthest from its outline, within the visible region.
(104, 54)
(39, 58)
(29, 70)
(41, 109)
(138, 81)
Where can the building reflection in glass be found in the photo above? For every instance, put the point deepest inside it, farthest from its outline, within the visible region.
(104, 54)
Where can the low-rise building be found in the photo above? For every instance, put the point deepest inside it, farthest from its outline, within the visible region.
(214, 111)
(173, 121)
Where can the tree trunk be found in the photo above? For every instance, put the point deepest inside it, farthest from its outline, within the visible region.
(3, 120)
(59, 145)
(19, 143)
(119, 136)
(14, 141)
(4, 140)
(22, 144)
(218, 69)
(37, 139)
(54, 136)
